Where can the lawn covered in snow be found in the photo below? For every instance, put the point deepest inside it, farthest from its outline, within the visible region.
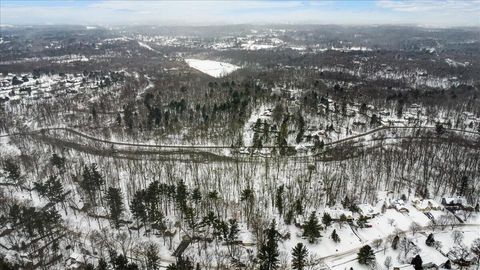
(213, 68)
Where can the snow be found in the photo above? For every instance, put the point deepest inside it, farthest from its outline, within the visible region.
(255, 47)
(7, 149)
(213, 68)
(454, 63)
(146, 46)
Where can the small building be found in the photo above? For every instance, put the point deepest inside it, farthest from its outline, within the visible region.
(454, 203)
(399, 205)
(336, 213)
(368, 210)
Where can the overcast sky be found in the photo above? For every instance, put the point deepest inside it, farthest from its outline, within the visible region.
(86, 12)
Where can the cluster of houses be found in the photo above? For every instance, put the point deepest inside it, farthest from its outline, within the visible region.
(29, 86)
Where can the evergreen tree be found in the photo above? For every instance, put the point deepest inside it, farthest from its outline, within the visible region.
(299, 256)
(92, 181)
(58, 162)
(115, 204)
(335, 236)
(119, 119)
(181, 195)
(152, 256)
(299, 206)
(417, 262)
(430, 240)
(365, 255)
(102, 264)
(326, 219)
(399, 108)
(182, 264)
(52, 189)
(288, 217)
(282, 137)
(120, 262)
(439, 129)
(279, 199)
(268, 253)
(311, 229)
(12, 170)
(137, 206)
(395, 242)
(152, 200)
(196, 195)
(233, 231)
(362, 221)
(301, 127)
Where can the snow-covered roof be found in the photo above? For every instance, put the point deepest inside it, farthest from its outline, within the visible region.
(337, 212)
(367, 210)
(454, 200)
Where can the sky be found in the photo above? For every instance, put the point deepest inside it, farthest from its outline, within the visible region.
(434, 13)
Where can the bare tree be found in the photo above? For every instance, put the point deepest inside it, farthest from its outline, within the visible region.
(388, 262)
(414, 227)
(457, 237)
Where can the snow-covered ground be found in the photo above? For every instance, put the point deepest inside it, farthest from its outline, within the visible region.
(213, 68)
(146, 46)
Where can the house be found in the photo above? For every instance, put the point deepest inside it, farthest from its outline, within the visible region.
(426, 205)
(368, 210)
(337, 212)
(455, 203)
(399, 205)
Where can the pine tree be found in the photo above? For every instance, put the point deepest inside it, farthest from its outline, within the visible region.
(299, 255)
(395, 242)
(233, 231)
(51, 189)
(430, 240)
(335, 236)
(362, 221)
(181, 195)
(152, 256)
(12, 170)
(58, 162)
(151, 200)
(196, 195)
(311, 229)
(137, 206)
(366, 255)
(268, 254)
(326, 219)
(282, 137)
(279, 199)
(102, 264)
(115, 204)
(301, 127)
(417, 262)
(92, 181)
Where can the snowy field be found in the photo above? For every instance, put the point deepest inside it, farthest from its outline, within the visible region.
(213, 68)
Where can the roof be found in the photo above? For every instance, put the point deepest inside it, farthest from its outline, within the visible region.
(454, 200)
(336, 213)
(367, 209)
